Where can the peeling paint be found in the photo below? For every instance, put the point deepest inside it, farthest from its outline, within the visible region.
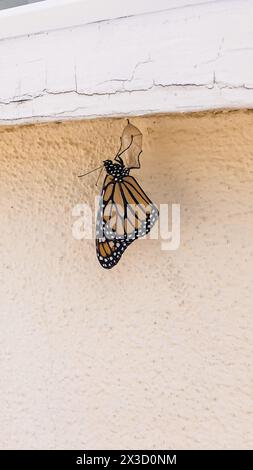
(184, 59)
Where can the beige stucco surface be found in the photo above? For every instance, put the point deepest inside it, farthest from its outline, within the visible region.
(156, 353)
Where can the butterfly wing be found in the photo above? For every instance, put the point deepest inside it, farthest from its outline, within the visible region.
(109, 248)
(140, 207)
(125, 213)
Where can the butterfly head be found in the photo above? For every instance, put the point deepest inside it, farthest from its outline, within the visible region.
(116, 170)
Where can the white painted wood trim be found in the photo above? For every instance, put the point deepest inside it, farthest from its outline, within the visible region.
(57, 14)
(190, 57)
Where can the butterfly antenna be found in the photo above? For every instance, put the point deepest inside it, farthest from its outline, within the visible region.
(95, 169)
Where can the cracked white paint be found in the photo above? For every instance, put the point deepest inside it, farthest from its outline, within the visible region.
(189, 58)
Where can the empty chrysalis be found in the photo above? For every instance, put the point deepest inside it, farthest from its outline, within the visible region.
(131, 146)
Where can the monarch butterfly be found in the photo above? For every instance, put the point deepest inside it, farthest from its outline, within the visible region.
(125, 212)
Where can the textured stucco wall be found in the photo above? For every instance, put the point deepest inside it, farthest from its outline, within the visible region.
(156, 353)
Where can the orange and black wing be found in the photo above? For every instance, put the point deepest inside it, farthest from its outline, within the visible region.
(141, 212)
(125, 213)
